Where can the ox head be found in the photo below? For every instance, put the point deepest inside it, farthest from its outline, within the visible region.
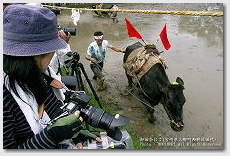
(173, 103)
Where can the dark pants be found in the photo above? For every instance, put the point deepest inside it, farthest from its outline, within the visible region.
(97, 69)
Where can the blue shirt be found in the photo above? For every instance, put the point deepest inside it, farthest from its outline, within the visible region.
(94, 52)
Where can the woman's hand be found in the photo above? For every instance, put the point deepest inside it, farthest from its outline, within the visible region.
(88, 135)
(66, 127)
(77, 114)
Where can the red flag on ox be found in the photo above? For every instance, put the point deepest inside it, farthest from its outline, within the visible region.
(164, 38)
(132, 32)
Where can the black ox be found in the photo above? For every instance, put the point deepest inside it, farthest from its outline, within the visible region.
(154, 88)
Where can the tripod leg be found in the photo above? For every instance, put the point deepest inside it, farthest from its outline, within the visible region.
(80, 84)
(90, 84)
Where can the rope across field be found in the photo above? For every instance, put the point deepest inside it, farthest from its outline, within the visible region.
(192, 13)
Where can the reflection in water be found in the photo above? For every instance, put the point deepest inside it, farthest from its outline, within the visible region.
(206, 27)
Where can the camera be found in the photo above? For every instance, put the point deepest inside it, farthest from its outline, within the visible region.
(96, 117)
(74, 56)
(72, 31)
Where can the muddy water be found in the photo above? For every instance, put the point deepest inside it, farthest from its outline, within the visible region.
(196, 56)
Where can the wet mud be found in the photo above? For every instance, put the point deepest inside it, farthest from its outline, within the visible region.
(196, 55)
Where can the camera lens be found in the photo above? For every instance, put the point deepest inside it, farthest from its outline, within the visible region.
(96, 117)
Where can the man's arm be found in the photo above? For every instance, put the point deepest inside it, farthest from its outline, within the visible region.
(115, 48)
(89, 58)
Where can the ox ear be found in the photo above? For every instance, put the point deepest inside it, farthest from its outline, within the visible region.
(180, 81)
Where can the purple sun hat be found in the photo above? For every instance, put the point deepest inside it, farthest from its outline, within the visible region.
(30, 30)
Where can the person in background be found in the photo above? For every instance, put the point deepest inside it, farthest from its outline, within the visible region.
(96, 55)
(57, 62)
(32, 92)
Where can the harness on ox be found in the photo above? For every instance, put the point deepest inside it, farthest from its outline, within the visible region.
(141, 60)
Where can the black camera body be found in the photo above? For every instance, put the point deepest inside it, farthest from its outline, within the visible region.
(96, 117)
(75, 100)
(72, 30)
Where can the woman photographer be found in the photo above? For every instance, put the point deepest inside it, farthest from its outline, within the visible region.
(31, 90)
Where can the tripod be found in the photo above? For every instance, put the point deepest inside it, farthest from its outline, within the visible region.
(77, 69)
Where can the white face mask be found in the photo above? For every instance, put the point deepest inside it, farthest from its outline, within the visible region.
(98, 37)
